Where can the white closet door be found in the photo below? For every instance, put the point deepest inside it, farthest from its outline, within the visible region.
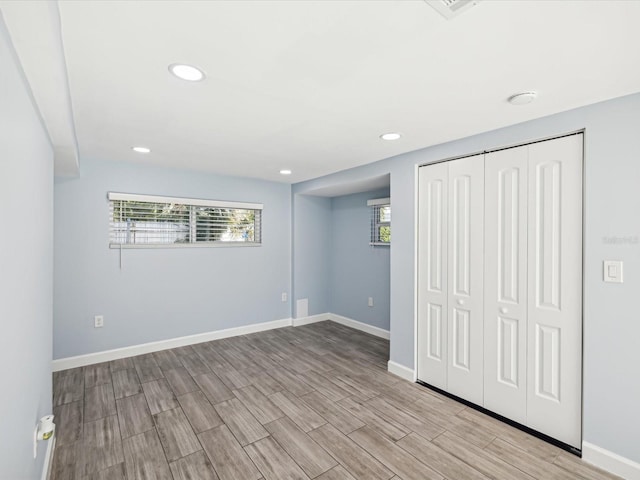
(465, 259)
(505, 288)
(555, 285)
(432, 275)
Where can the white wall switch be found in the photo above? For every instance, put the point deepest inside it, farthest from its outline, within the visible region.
(370, 302)
(98, 321)
(612, 271)
(284, 296)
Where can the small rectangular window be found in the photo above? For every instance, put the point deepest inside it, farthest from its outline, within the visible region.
(154, 221)
(380, 221)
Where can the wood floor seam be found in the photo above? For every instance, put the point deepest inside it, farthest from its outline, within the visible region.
(310, 402)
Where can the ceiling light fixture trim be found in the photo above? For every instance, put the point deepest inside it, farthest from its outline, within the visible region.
(523, 98)
(187, 72)
(391, 136)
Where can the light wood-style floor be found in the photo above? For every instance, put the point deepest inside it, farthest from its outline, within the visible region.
(293, 403)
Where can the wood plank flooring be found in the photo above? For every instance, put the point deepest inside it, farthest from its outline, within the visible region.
(312, 402)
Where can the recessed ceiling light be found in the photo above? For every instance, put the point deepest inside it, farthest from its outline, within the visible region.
(390, 136)
(285, 171)
(141, 149)
(186, 72)
(523, 98)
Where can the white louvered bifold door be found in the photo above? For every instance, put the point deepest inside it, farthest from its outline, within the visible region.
(432, 275)
(554, 374)
(505, 286)
(465, 278)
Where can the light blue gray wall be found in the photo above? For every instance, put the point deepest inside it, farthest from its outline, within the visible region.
(161, 293)
(358, 270)
(312, 252)
(26, 270)
(612, 203)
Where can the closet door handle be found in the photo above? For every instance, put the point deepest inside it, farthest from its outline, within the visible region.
(460, 301)
(503, 310)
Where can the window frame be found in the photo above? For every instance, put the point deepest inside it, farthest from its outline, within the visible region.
(376, 205)
(189, 202)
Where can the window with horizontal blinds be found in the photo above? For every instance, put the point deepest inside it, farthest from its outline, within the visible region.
(380, 221)
(148, 221)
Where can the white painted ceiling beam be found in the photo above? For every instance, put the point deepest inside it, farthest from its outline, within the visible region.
(36, 36)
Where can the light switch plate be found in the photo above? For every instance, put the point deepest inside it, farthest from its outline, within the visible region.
(612, 271)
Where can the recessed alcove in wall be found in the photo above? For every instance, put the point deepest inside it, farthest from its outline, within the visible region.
(334, 266)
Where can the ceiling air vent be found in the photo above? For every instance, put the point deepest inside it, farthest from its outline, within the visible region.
(450, 8)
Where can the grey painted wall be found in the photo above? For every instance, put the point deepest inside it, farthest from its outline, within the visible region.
(161, 293)
(358, 270)
(26, 270)
(312, 252)
(612, 203)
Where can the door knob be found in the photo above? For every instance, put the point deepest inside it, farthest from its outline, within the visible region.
(460, 301)
(503, 310)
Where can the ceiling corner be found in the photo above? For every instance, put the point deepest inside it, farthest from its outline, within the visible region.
(35, 30)
(66, 162)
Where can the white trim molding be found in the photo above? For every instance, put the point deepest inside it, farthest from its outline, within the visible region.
(48, 458)
(378, 201)
(107, 355)
(611, 462)
(321, 317)
(401, 371)
(363, 327)
(186, 201)
(346, 321)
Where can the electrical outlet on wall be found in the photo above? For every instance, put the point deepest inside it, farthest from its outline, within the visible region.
(98, 321)
(284, 296)
(370, 302)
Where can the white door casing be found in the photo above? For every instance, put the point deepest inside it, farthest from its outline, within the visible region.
(465, 278)
(432, 275)
(554, 340)
(505, 286)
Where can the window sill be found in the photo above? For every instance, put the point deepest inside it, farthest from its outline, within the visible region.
(117, 246)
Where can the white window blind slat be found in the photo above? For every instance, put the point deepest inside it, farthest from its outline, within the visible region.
(146, 221)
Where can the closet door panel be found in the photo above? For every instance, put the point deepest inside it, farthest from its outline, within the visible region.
(465, 282)
(505, 295)
(432, 274)
(555, 289)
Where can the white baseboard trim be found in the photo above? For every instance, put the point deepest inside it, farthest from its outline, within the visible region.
(48, 458)
(400, 370)
(364, 327)
(298, 322)
(108, 355)
(611, 462)
(349, 322)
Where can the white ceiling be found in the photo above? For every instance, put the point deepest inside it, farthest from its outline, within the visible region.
(358, 186)
(310, 85)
